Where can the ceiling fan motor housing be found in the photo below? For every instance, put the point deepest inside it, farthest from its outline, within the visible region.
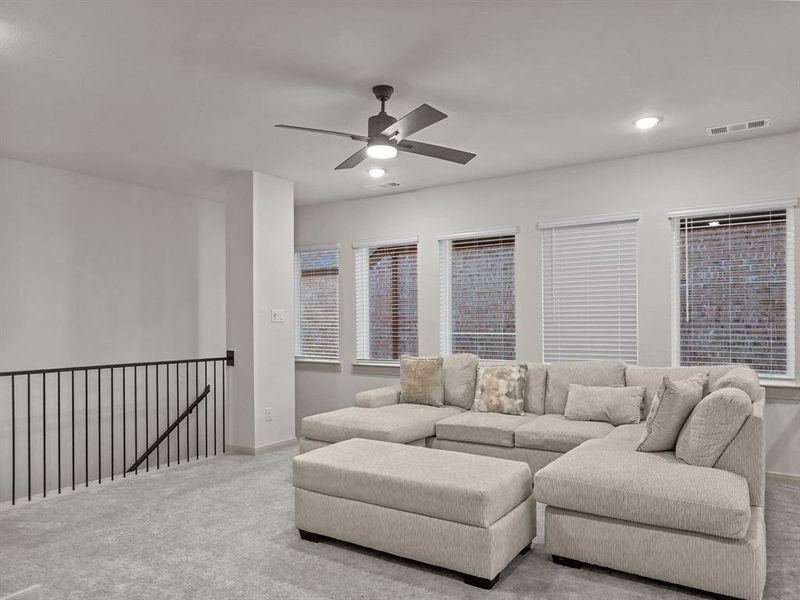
(379, 122)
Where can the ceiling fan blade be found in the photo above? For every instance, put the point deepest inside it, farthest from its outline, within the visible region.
(419, 118)
(353, 160)
(352, 136)
(456, 156)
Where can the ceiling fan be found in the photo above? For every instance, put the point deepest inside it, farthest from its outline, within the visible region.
(386, 135)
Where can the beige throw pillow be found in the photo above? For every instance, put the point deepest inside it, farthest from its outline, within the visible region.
(741, 378)
(714, 422)
(460, 373)
(421, 380)
(501, 389)
(615, 405)
(672, 405)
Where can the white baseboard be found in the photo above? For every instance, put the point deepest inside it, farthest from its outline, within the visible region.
(784, 478)
(250, 451)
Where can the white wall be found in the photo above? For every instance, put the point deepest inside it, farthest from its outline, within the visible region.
(759, 169)
(95, 271)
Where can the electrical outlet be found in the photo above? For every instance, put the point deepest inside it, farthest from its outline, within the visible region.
(278, 315)
(268, 414)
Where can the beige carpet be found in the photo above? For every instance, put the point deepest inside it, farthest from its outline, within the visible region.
(222, 529)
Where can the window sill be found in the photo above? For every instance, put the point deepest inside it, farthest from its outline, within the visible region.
(317, 361)
(381, 364)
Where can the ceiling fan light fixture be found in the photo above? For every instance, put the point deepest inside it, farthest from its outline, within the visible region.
(377, 172)
(381, 149)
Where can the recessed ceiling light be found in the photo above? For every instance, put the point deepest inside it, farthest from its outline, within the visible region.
(377, 172)
(713, 223)
(647, 122)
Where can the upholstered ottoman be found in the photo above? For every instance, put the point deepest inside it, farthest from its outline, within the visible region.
(472, 514)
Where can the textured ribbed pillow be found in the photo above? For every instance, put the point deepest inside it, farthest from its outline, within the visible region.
(460, 374)
(741, 378)
(672, 405)
(714, 422)
(615, 405)
(501, 389)
(421, 380)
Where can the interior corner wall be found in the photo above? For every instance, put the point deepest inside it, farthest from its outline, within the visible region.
(726, 173)
(94, 271)
(260, 259)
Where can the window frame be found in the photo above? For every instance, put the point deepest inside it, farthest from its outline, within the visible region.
(362, 302)
(787, 204)
(299, 313)
(445, 282)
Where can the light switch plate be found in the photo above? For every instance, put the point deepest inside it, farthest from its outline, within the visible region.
(278, 315)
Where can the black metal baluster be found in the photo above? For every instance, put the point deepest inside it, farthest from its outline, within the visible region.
(196, 415)
(215, 408)
(147, 413)
(178, 409)
(72, 398)
(224, 368)
(99, 431)
(13, 445)
(29, 438)
(169, 437)
(205, 404)
(112, 423)
(59, 430)
(86, 425)
(136, 414)
(188, 452)
(158, 428)
(124, 429)
(44, 435)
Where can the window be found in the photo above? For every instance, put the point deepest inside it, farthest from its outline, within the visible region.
(478, 309)
(386, 301)
(317, 304)
(733, 281)
(589, 293)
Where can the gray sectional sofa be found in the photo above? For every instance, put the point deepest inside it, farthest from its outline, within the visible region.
(646, 513)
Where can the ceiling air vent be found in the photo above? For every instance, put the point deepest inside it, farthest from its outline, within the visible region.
(734, 127)
(383, 185)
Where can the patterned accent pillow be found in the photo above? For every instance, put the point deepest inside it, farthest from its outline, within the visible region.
(421, 380)
(501, 389)
(672, 405)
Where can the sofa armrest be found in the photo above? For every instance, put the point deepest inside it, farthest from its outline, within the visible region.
(378, 397)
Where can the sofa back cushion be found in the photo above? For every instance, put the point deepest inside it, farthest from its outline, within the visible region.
(537, 383)
(615, 405)
(713, 424)
(605, 373)
(421, 380)
(460, 373)
(651, 378)
(740, 378)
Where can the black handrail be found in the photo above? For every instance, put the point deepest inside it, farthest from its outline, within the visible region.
(169, 430)
(119, 391)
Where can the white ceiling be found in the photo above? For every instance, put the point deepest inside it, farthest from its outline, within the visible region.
(178, 94)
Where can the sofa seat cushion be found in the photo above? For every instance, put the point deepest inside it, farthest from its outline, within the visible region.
(558, 434)
(399, 423)
(494, 429)
(606, 478)
(459, 487)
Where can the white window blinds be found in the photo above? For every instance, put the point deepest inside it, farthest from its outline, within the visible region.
(589, 292)
(317, 304)
(733, 281)
(386, 301)
(478, 309)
